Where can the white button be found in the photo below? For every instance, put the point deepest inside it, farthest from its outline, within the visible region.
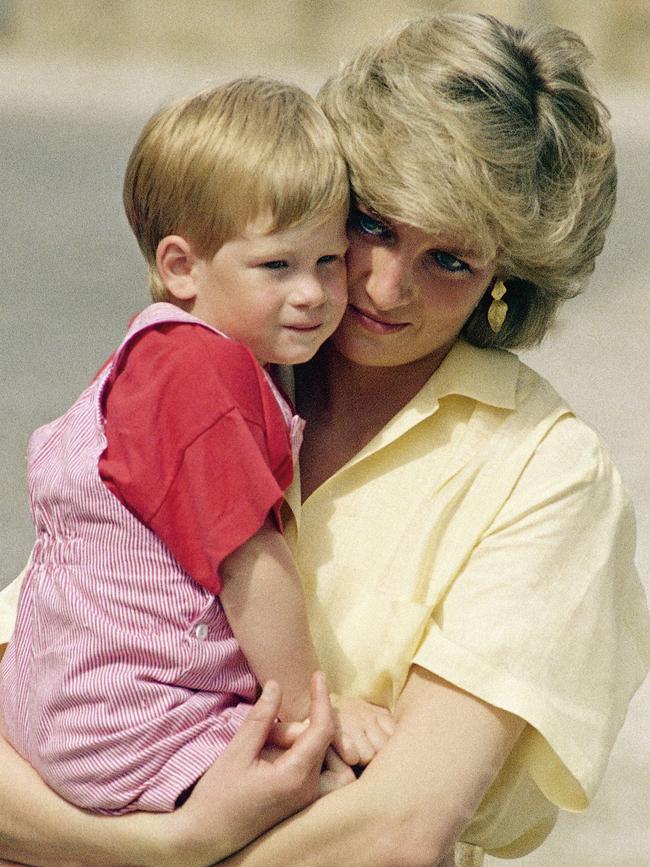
(201, 631)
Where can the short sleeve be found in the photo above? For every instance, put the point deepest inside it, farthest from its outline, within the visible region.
(548, 619)
(197, 447)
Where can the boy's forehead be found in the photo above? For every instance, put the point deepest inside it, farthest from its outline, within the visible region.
(260, 233)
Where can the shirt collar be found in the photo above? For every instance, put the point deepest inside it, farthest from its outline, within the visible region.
(486, 375)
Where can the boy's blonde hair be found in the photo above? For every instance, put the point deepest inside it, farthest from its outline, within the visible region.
(205, 167)
(462, 125)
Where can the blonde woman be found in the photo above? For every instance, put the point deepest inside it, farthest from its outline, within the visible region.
(494, 603)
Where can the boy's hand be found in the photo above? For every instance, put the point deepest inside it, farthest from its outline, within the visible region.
(336, 773)
(362, 729)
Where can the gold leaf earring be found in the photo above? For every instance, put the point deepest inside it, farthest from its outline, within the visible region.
(498, 309)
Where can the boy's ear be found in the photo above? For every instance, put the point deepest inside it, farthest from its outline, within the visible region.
(175, 261)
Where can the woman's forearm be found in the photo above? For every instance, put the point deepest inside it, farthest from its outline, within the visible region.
(337, 829)
(413, 801)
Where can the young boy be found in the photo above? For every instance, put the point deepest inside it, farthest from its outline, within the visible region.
(161, 590)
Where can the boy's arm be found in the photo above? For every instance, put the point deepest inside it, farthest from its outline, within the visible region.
(263, 600)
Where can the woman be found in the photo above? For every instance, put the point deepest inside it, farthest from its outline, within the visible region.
(465, 542)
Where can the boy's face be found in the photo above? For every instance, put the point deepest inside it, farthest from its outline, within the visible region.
(282, 294)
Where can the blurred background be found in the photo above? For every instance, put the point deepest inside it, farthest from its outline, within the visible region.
(77, 81)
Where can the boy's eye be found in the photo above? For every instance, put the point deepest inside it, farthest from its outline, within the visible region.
(448, 261)
(368, 225)
(326, 260)
(275, 264)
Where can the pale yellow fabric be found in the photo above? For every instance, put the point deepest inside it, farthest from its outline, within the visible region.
(485, 535)
(468, 856)
(8, 605)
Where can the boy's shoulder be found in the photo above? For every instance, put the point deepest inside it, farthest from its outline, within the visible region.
(189, 345)
(185, 360)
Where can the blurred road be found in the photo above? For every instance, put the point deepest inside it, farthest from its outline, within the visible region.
(73, 276)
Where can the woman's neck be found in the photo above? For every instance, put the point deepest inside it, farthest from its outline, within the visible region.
(345, 406)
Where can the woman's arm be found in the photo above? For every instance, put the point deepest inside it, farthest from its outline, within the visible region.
(413, 801)
(237, 799)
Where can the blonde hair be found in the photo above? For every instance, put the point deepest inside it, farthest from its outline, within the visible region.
(462, 125)
(205, 167)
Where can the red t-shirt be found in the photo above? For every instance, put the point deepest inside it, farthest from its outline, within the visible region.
(198, 448)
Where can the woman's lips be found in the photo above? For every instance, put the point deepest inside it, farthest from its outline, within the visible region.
(371, 322)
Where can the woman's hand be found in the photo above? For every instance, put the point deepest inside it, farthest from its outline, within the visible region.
(249, 790)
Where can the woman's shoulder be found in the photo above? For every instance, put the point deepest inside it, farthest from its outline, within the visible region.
(563, 446)
(569, 440)
(537, 448)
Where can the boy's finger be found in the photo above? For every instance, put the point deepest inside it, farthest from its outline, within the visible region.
(377, 735)
(347, 747)
(387, 723)
(334, 762)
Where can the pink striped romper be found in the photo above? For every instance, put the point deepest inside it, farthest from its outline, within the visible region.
(123, 682)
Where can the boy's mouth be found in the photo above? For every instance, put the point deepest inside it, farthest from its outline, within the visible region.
(305, 327)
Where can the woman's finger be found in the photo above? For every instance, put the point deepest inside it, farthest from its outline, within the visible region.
(311, 744)
(255, 729)
(285, 734)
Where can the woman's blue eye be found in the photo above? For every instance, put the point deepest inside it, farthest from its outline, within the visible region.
(275, 264)
(448, 261)
(369, 225)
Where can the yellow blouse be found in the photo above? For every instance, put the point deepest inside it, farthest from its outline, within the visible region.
(485, 535)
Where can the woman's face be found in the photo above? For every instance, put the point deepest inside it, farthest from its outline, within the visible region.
(410, 293)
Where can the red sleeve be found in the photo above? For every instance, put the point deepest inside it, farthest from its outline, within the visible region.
(197, 446)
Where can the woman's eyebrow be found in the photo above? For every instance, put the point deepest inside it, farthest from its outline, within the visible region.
(358, 205)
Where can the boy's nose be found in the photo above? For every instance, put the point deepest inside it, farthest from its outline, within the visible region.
(309, 292)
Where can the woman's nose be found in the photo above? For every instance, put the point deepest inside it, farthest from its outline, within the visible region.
(389, 283)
